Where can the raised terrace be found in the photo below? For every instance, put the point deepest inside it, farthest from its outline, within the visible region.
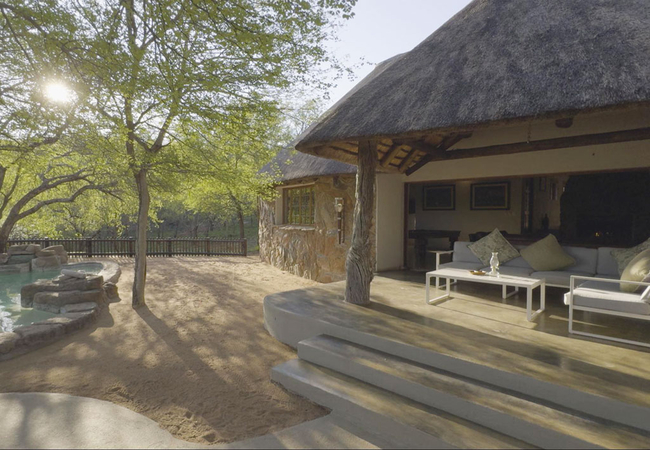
(401, 348)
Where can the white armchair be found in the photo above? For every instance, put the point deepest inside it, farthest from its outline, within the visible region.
(603, 296)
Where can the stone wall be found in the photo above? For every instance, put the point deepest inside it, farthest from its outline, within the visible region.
(314, 251)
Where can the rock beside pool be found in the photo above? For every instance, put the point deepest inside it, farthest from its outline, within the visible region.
(73, 273)
(58, 299)
(4, 257)
(78, 307)
(110, 289)
(43, 263)
(60, 284)
(44, 253)
(25, 249)
(58, 251)
(14, 268)
(7, 342)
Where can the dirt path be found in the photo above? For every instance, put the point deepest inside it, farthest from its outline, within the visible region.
(197, 360)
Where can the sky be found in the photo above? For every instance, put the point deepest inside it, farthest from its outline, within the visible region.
(384, 28)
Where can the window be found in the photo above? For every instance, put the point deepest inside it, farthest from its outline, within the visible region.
(299, 205)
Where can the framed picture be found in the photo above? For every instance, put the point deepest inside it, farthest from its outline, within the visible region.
(490, 196)
(439, 197)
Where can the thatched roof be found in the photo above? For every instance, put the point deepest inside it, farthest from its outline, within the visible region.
(292, 165)
(499, 60)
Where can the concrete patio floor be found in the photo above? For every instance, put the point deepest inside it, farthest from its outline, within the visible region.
(477, 326)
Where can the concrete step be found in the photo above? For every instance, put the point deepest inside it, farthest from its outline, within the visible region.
(531, 420)
(412, 424)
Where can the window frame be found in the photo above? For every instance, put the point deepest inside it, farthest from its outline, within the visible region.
(287, 205)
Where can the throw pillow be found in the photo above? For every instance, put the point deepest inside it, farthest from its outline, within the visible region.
(546, 255)
(623, 256)
(637, 270)
(493, 242)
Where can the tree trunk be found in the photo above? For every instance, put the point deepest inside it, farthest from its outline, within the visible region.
(360, 263)
(5, 230)
(140, 277)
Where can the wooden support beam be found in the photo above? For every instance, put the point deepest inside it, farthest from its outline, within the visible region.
(612, 137)
(433, 152)
(390, 154)
(406, 162)
(359, 264)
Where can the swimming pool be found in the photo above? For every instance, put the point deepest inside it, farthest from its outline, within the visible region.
(12, 315)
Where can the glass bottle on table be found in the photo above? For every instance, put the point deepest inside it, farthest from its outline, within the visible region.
(494, 264)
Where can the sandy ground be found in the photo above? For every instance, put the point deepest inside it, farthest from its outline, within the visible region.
(196, 360)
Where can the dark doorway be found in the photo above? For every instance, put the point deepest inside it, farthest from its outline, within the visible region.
(608, 209)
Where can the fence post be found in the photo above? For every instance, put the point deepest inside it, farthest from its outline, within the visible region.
(46, 242)
(169, 248)
(207, 247)
(131, 246)
(89, 248)
(245, 247)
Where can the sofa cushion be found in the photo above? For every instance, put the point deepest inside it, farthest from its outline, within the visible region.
(546, 255)
(606, 264)
(519, 261)
(462, 265)
(602, 295)
(493, 242)
(464, 254)
(586, 259)
(558, 277)
(637, 270)
(623, 256)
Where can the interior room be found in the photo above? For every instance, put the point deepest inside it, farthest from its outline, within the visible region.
(591, 210)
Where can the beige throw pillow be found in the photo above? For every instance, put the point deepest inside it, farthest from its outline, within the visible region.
(493, 242)
(546, 255)
(623, 256)
(637, 270)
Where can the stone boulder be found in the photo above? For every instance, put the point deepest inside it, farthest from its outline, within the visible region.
(58, 251)
(110, 289)
(78, 307)
(20, 259)
(14, 268)
(59, 284)
(4, 257)
(54, 301)
(44, 263)
(25, 249)
(45, 253)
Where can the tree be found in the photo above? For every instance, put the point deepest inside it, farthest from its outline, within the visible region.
(150, 69)
(49, 155)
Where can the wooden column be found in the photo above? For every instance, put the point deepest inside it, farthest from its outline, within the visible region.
(360, 263)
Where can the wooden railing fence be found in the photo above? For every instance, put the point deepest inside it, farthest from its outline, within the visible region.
(155, 247)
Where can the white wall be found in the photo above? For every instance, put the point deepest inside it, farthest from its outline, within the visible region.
(389, 221)
(465, 219)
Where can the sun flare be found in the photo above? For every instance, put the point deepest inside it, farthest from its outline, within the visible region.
(58, 92)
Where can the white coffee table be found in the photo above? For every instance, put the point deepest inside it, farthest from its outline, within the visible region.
(504, 280)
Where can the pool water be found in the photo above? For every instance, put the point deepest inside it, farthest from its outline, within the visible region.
(12, 315)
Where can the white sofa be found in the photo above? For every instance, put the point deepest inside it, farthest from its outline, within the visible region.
(589, 262)
(593, 283)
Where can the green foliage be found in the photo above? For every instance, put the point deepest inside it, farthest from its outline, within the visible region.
(186, 96)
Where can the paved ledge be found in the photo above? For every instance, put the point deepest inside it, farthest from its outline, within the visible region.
(37, 420)
(43, 421)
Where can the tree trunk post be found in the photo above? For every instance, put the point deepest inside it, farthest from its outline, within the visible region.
(140, 277)
(359, 264)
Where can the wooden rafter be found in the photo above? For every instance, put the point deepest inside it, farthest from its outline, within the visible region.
(390, 154)
(612, 137)
(406, 162)
(433, 152)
